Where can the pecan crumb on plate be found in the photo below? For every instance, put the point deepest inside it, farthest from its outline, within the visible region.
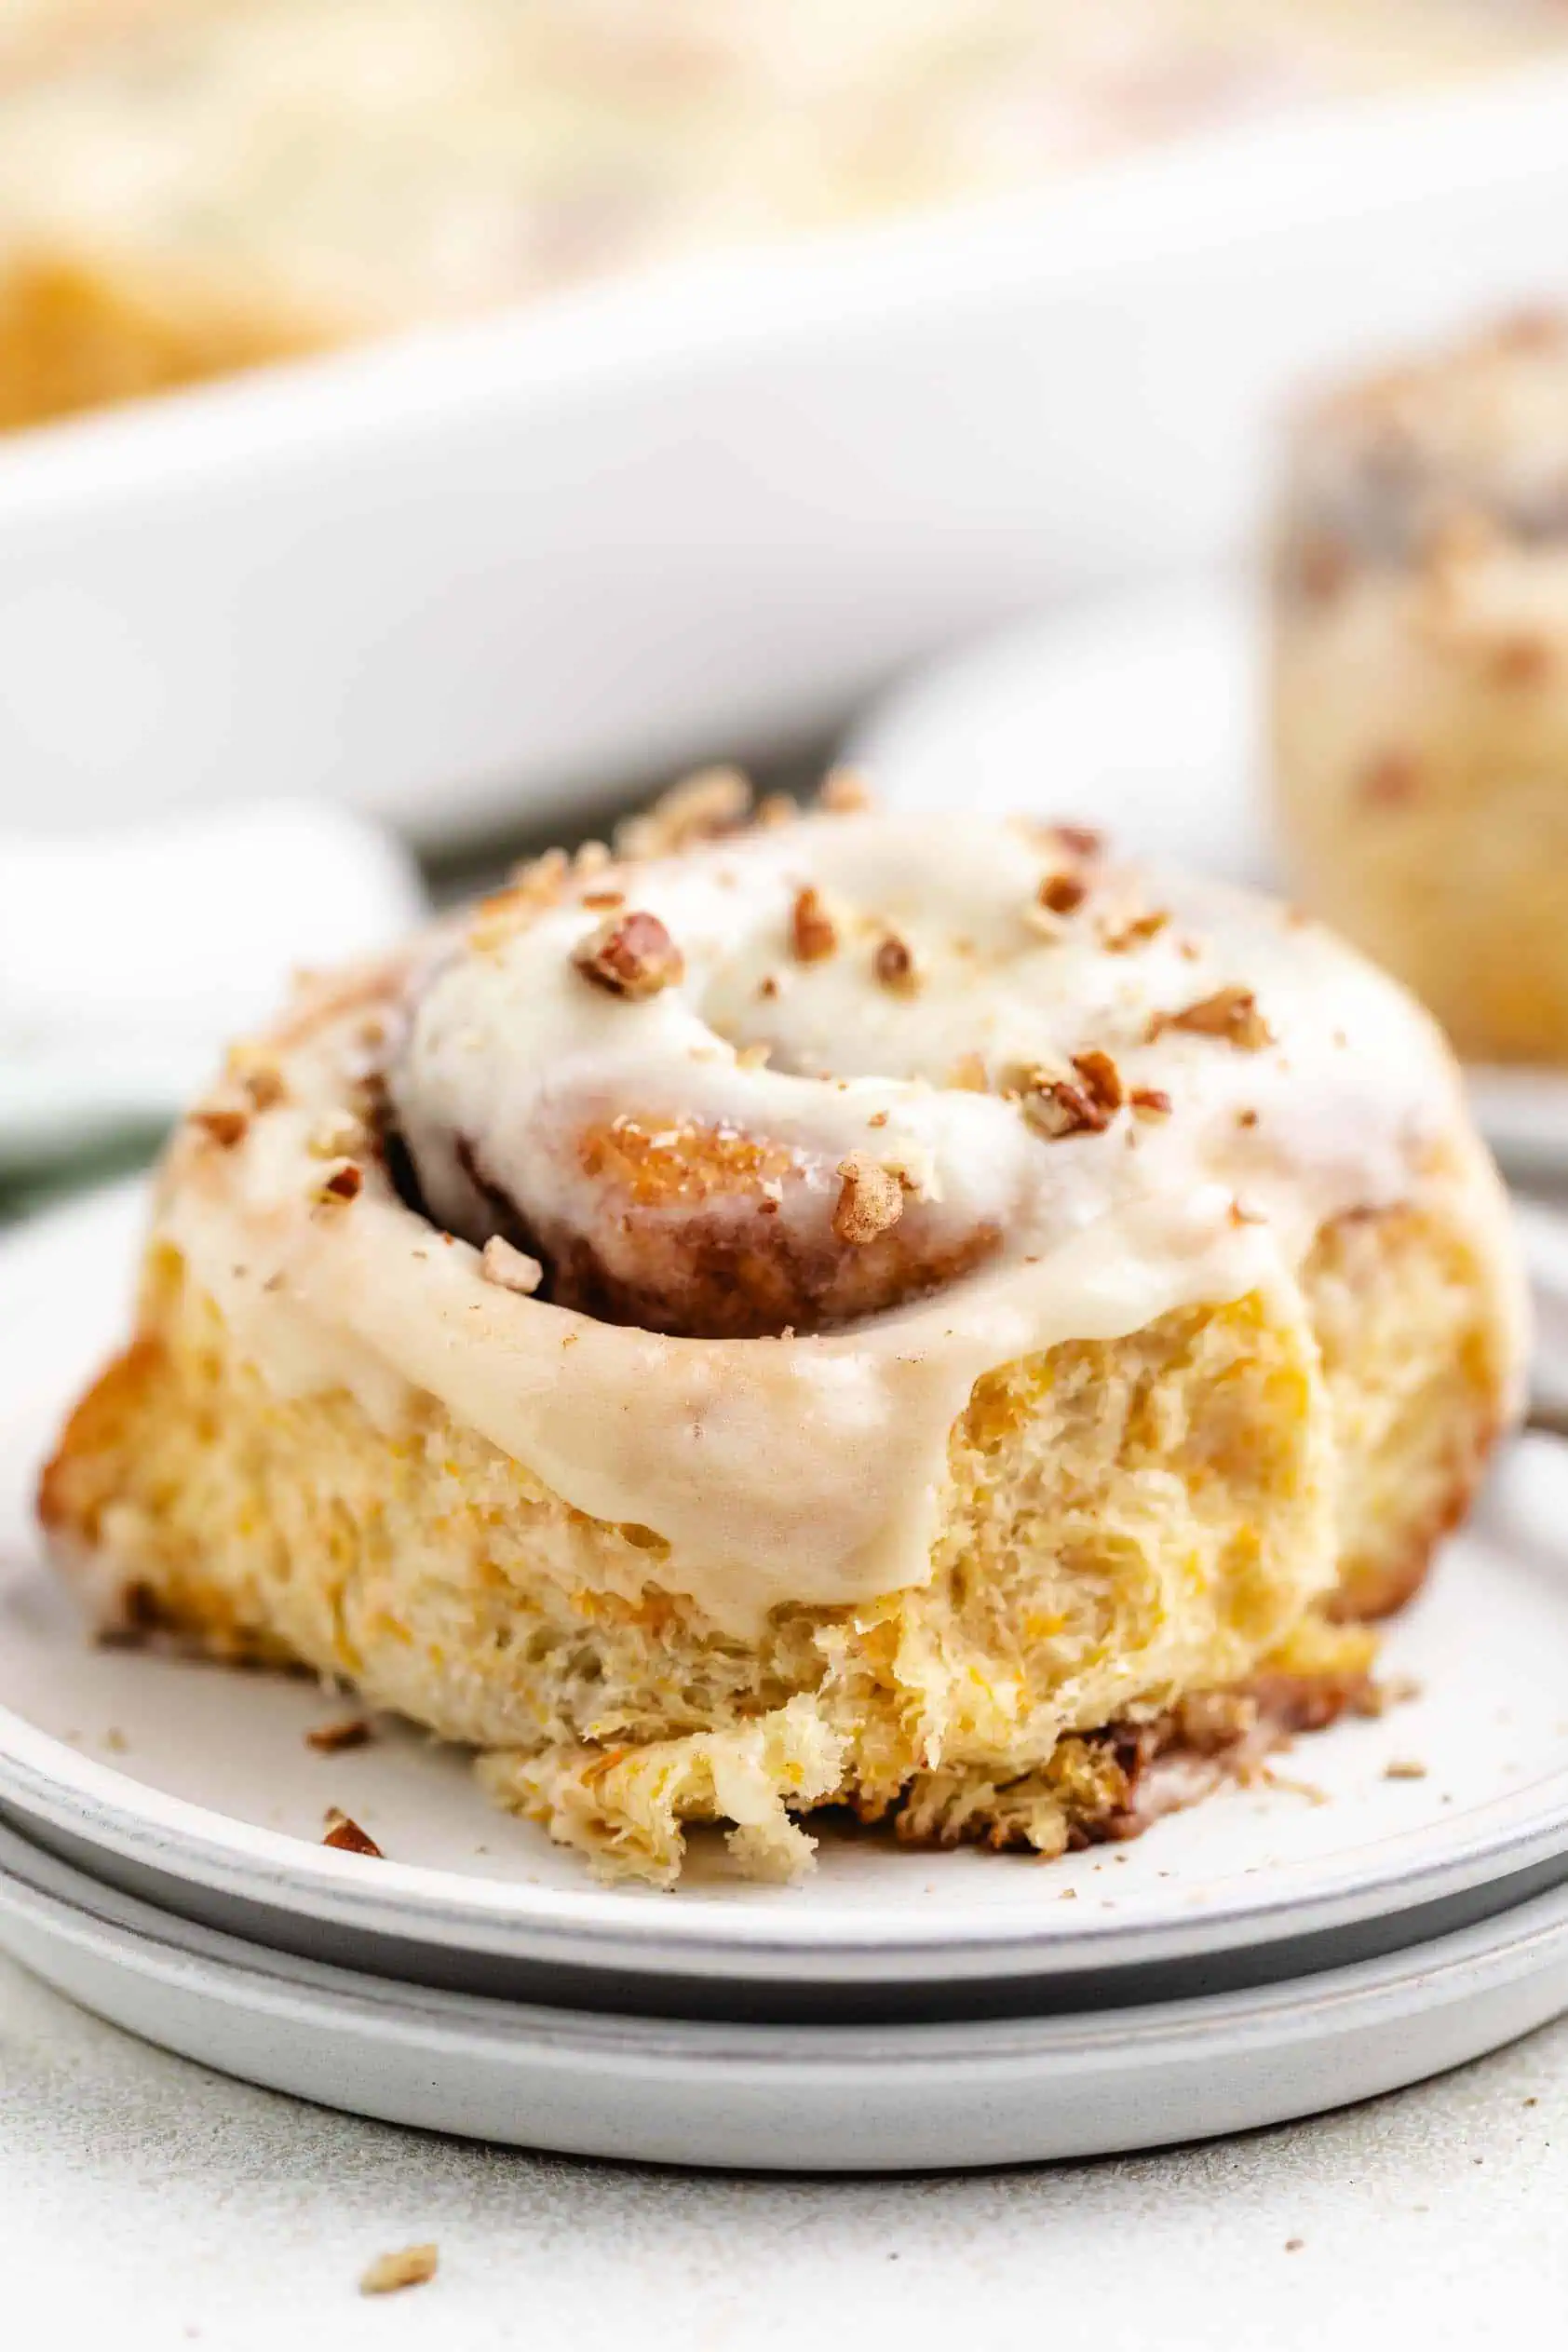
(348, 1837)
(349, 1731)
(408, 2266)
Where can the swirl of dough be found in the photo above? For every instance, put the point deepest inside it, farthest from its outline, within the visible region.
(797, 1076)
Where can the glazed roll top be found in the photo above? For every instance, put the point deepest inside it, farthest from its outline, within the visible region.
(822, 1072)
(706, 1182)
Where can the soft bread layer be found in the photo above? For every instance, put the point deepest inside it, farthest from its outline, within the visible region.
(1127, 1523)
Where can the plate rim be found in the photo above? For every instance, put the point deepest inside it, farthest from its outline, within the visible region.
(872, 2097)
(129, 1920)
(596, 1927)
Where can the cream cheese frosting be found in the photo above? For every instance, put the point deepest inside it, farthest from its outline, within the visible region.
(1283, 1082)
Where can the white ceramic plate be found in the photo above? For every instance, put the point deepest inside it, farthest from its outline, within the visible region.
(185, 1782)
(837, 2098)
(473, 574)
(1140, 713)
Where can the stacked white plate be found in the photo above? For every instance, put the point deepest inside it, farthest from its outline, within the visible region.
(1392, 1901)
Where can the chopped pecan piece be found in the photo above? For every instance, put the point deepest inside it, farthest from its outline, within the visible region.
(226, 1127)
(409, 2266)
(348, 1837)
(1056, 1108)
(813, 932)
(895, 966)
(333, 1739)
(870, 1199)
(1150, 1103)
(342, 1185)
(530, 888)
(1102, 1080)
(1230, 1013)
(630, 956)
(1120, 940)
(701, 807)
(1062, 893)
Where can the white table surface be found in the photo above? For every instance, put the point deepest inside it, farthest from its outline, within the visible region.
(144, 2202)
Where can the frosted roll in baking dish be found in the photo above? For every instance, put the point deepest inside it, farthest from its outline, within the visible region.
(841, 1310)
(192, 186)
(1420, 685)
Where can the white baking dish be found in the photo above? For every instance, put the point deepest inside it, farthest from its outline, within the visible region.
(465, 578)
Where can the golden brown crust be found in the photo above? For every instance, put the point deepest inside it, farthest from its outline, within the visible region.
(1110, 1785)
(78, 1479)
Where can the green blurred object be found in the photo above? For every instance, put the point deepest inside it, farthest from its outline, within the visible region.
(450, 877)
(23, 1193)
